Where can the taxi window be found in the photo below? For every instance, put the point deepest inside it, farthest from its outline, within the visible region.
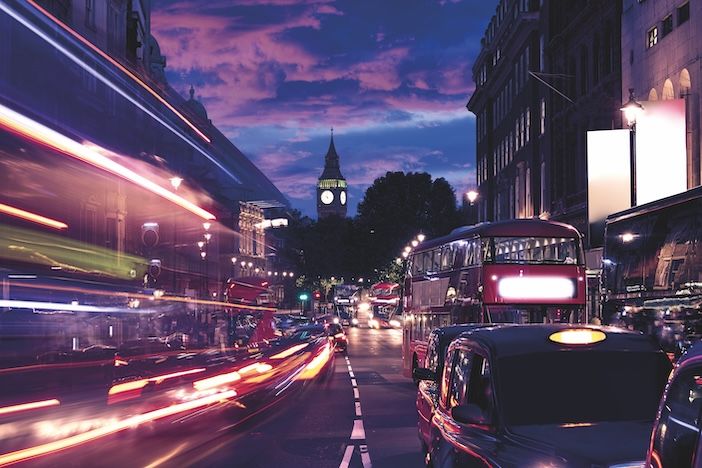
(678, 428)
(480, 386)
(459, 379)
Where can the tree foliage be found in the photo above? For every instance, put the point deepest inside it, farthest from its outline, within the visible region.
(395, 208)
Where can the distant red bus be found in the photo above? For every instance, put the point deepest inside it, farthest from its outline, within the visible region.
(518, 271)
(250, 318)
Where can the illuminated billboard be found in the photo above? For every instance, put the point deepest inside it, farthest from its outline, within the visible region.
(661, 156)
(608, 178)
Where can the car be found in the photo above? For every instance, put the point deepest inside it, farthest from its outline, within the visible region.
(547, 395)
(675, 439)
(428, 386)
(337, 335)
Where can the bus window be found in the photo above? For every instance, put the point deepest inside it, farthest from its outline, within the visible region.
(436, 260)
(534, 250)
(447, 257)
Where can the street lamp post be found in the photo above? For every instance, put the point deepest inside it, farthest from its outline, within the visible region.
(472, 196)
(632, 109)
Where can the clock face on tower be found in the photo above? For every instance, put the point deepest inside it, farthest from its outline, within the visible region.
(342, 197)
(327, 197)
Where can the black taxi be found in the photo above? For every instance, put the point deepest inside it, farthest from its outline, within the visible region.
(547, 395)
(675, 440)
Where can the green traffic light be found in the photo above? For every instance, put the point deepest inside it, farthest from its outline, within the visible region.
(304, 297)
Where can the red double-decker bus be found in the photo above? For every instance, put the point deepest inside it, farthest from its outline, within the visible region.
(518, 271)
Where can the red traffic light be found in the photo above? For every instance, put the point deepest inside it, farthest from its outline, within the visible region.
(317, 295)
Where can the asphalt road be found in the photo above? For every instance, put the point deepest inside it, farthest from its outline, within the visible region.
(359, 412)
(334, 423)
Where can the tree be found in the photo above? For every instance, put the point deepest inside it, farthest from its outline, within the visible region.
(395, 209)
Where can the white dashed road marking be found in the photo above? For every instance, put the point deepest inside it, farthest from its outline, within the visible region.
(365, 457)
(358, 409)
(353, 382)
(358, 432)
(355, 394)
(347, 457)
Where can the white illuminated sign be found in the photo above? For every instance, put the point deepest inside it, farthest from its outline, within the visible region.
(536, 287)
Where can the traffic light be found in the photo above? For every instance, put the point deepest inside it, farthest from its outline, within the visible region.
(317, 295)
(303, 296)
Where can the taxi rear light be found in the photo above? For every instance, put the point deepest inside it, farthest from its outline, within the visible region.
(578, 336)
(120, 362)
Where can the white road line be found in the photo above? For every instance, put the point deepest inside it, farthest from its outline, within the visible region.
(350, 370)
(365, 457)
(358, 433)
(348, 453)
(355, 394)
(358, 409)
(352, 375)
(353, 382)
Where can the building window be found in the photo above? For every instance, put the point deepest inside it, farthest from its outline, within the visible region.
(542, 124)
(683, 13)
(667, 25)
(652, 37)
(90, 13)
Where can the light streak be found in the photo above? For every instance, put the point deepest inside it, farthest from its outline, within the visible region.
(139, 384)
(290, 351)
(316, 365)
(118, 426)
(111, 85)
(121, 67)
(217, 381)
(29, 406)
(35, 131)
(55, 306)
(130, 295)
(29, 216)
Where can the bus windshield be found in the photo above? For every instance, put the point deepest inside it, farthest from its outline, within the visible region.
(532, 250)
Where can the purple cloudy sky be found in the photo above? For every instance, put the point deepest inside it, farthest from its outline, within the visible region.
(391, 76)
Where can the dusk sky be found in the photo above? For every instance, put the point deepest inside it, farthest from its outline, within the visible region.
(391, 77)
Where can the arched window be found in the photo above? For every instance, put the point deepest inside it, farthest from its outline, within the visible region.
(653, 95)
(668, 91)
(685, 82)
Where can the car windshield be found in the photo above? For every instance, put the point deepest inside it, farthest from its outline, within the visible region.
(581, 387)
(335, 328)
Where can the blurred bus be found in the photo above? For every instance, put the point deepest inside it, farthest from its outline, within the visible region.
(652, 269)
(518, 271)
(384, 298)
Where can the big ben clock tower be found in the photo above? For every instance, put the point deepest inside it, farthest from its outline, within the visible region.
(331, 188)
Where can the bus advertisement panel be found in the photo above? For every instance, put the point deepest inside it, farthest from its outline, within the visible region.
(518, 271)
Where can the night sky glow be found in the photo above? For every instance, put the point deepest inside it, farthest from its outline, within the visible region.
(391, 77)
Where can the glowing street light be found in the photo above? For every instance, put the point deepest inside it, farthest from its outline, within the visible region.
(408, 249)
(405, 254)
(208, 236)
(200, 244)
(207, 225)
(243, 264)
(203, 255)
(472, 195)
(415, 243)
(175, 182)
(421, 237)
(233, 259)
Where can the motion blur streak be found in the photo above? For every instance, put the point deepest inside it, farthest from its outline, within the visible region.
(166, 457)
(316, 365)
(137, 384)
(217, 381)
(32, 217)
(127, 71)
(29, 406)
(51, 447)
(131, 295)
(35, 131)
(114, 87)
(55, 306)
(290, 351)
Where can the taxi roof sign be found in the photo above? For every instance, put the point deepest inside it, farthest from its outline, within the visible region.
(578, 336)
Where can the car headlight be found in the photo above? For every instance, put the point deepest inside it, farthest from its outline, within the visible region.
(336, 319)
(354, 321)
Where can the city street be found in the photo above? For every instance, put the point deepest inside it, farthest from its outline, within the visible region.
(319, 428)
